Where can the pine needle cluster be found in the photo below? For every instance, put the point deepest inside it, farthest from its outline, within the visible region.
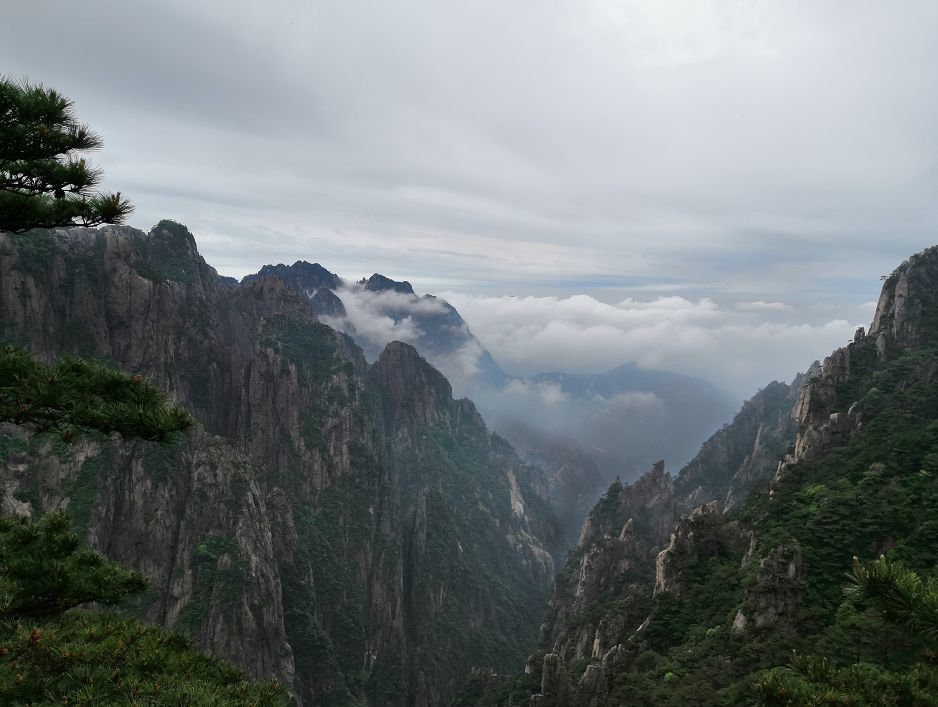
(44, 182)
(46, 570)
(901, 594)
(73, 394)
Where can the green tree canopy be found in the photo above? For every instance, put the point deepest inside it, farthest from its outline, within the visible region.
(45, 569)
(44, 182)
(903, 596)
(49, 655)
(74, 394)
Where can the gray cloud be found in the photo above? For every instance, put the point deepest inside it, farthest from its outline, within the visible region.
(376, 318)
(730, 151)
(761, 306)
(733, 347)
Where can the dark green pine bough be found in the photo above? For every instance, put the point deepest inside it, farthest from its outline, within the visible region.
(73, 395)
(44, 183)
(48, 656)
(901, 596)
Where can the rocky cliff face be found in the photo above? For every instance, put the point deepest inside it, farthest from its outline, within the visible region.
(353, 530)
(571, 478)
(906, 318)
(597, 426)
(737, 459)
(701, 534)
(598, 596)
(777, 593)
(433, 326)
(905, 314)
(641, 540)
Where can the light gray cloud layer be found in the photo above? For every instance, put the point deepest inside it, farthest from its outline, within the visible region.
(742, 151)
(738, 348)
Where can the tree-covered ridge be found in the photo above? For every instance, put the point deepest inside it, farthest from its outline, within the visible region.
(49, 654)
(877, 493)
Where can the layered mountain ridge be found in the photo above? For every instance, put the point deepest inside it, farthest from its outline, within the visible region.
(349, 528)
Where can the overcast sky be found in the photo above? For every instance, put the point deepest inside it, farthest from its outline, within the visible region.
(726, 153)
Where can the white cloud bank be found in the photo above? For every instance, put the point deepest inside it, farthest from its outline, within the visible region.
(734, 347)
(375, 318)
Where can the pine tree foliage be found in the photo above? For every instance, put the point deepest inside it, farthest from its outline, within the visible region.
(74, 394)
(48, 656)
(46, 570)
(96, 659)
(44, 182)
(814, 681)
(901, 594)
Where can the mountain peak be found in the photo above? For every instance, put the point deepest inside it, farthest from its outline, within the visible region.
(905, 314)
(302, 276)
(380, 283)
(410, 386)
(174, 238)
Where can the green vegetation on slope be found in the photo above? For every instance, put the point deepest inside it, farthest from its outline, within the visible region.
(876, 494)
(902, 596)
(49, 654)
(87, 658)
